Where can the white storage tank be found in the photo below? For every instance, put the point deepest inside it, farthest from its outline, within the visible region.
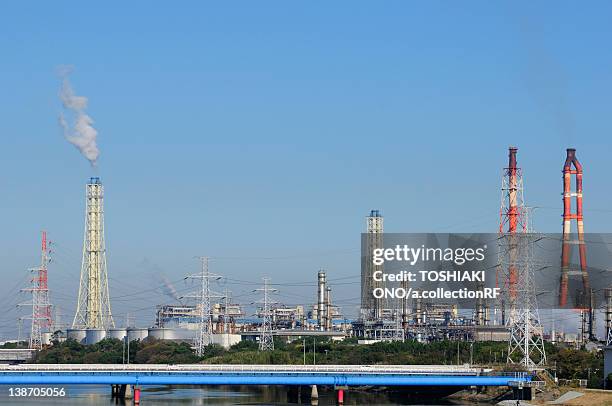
(77, 334)
(93, 335)
(160, 333)
(226, 340)
(46, 338)
(117, 333)
(135, 333)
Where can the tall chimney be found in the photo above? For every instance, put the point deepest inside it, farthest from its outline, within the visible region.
(584, 302)
(321, 305)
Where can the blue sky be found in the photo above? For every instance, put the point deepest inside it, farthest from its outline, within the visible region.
(246, 130)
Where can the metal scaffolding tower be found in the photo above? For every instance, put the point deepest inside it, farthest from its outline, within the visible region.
(519, 306)
(204, 296)
(266, 341)
(41, 308)
(93, 304)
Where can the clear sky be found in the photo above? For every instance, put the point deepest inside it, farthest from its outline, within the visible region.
(254, 130)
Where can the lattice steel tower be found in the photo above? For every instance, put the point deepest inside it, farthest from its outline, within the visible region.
(266, 341)
(519, 305)
(512, 219)
(41, 308)
(93, 304)
(204, 295)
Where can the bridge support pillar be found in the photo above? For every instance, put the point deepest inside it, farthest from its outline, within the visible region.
(125, 392)
(340, 396)
(314, 393)
(136, 395)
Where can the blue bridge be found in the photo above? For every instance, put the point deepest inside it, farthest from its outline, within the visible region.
(332, 375)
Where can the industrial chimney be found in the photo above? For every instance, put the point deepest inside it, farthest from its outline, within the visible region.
(584, 301)
(93, 304)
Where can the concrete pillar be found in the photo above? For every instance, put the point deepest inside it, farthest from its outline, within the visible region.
(127, 393)
(314, 393)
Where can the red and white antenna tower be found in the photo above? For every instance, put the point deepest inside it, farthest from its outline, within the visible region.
(41, 308)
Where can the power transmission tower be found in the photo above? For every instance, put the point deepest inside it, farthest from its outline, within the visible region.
(204, 296)
(512, 220)
(519, 306)
(266, 341)
(41, 308)
(526, 333)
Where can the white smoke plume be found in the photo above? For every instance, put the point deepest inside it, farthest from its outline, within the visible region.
(169, 289)
(80, 131)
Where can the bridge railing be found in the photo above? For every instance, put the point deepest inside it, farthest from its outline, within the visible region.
(244, 368)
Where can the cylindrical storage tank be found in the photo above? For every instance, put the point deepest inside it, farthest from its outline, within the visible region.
(46, 338)
(77, 334)
(93, 335)
(117, 333)
(137, 333)
(160, 333)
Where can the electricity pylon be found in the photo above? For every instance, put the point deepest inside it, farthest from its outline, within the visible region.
(204, 296)
(266, 341)
(41, 308)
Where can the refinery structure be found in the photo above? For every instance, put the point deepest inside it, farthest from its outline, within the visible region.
(205, 316)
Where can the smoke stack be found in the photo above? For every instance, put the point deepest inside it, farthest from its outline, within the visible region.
(328, 309)
(93, 302)
(372, 307)
(321, 305)
(584, 302)
(512, 190)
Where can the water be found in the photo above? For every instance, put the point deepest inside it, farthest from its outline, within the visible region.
(221, 395)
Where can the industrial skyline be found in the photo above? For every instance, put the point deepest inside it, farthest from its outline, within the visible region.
(348, 306)
(385, 319)
(287, 142)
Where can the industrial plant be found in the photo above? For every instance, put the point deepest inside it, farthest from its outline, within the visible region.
(205, 317)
